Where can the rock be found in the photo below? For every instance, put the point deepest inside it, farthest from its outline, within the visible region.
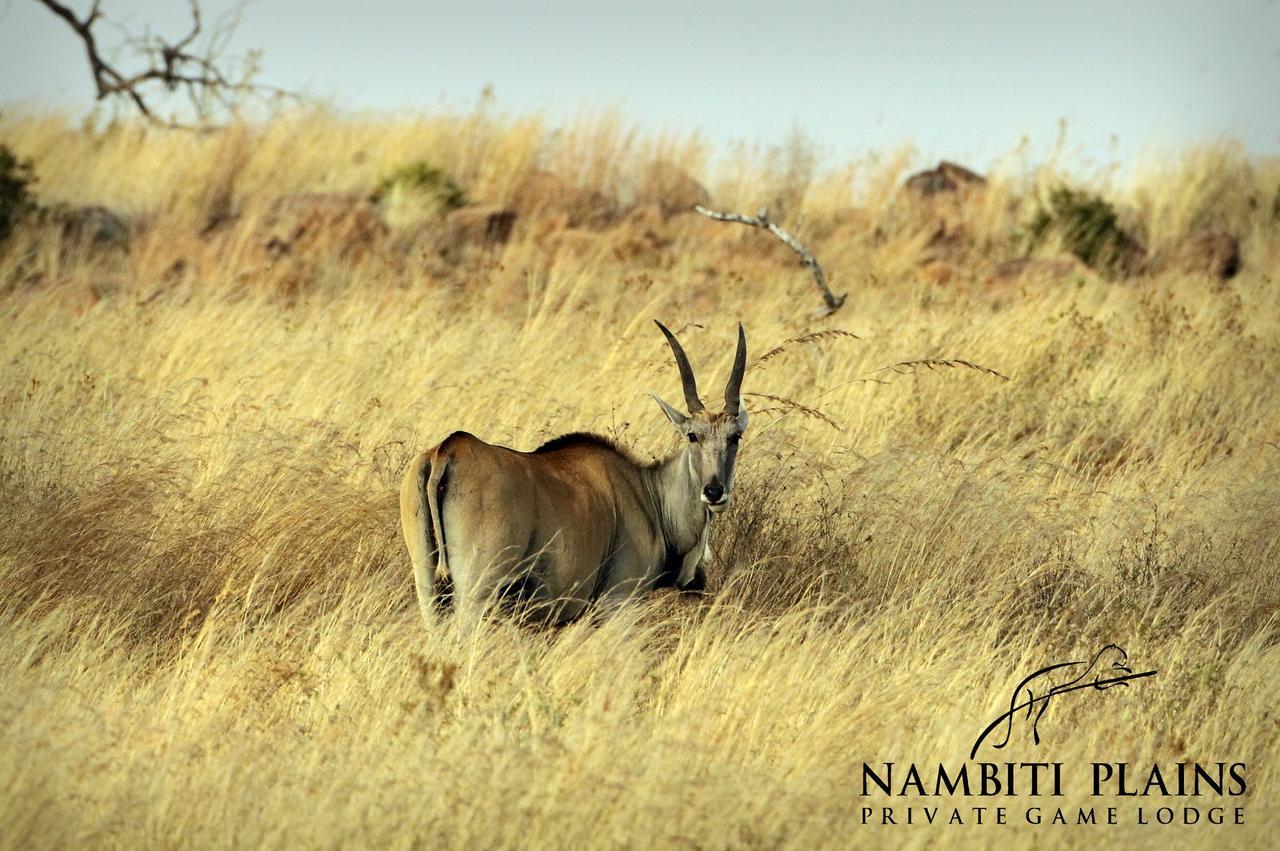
(541, 193)
(1212, 253)
(935, 209)
(572, 245)
(485, 226)
(81, 296)
(94, 225)
(1128, 253)
(937, 272)
(669, 188)
(1036, 269)
(946, 177)
(648, 218)
(646, 234)
(340, 223)
(951, 239)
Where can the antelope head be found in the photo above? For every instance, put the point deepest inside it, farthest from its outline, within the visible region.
(712, 437)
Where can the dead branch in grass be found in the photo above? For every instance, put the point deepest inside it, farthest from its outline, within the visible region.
(761, 220)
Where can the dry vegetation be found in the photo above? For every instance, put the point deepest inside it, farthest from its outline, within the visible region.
(207, 627)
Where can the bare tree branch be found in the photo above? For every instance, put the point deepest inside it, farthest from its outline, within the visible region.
(761, 220)
(171, 67)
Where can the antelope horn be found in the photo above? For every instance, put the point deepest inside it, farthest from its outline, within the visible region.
(691, 399)
(732, 390)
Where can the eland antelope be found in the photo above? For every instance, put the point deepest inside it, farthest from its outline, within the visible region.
(577, 521)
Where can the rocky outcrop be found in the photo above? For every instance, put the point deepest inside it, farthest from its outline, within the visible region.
(94, 225)
(1036, 270)
(1209, 252)
(670, 189)
(541, 193)
(336, 223)
(486, 226)
(946, 177)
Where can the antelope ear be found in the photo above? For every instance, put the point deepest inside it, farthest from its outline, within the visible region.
(678, 419)
(742, 418)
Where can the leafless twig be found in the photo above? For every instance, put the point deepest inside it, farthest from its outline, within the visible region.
(179, 66)
(762, 220)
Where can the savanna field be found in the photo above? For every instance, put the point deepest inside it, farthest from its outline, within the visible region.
(1045, 420)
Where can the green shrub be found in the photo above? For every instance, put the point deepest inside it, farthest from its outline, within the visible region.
(423, 177)
(1087, 226)
(16, 200)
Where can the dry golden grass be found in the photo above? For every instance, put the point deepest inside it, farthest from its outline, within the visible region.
(207, 628)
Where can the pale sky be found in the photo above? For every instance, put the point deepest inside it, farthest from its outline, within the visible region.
(959, 80)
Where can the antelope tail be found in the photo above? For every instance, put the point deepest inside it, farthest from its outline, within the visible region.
(420, 494)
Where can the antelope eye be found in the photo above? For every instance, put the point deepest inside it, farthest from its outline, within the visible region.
(693, 438)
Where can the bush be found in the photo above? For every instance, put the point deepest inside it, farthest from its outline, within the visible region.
(16, 200)
(423, 177)
(1087, 226)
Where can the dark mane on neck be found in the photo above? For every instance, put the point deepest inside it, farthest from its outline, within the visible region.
(586, 438)
(577, 438)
